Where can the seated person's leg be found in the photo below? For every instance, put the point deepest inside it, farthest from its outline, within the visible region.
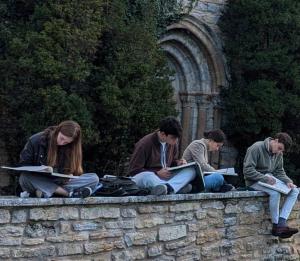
(148, 179)
(182, 178)
(288, 204)
(39, 185)
(82, 186)
(213, 182)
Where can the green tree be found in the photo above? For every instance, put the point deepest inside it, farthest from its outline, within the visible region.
(132, 91)
(97, 62)
(47, 49)
(262, 43)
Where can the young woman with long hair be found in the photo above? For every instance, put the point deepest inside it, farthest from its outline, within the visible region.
(59, 147)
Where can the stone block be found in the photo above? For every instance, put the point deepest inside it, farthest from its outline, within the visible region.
(184, 217)
(83, 226)
(69, 249)
(211, 235)
(250, 218)
(10, 241)
(68, 238)
(96, 247)
(127, 224)
(168, 233)
(32, 241)
(4, 216)
(19, 216)
(99, 212)
(155, 250)
(213, 205)
(64, 227)
(11, 231)
(150, 220)
(39, 230)
(4, 253)
(184, 207)
(105, 256)
(54, 213)
(194, 227)
(210, 252)
(238, 232)
(39, 252)
(201, 214)
(106, 234)
(181, 243)
(128, 213)
(140, 238)
(230, 221)
(152, 209)
(235, 209)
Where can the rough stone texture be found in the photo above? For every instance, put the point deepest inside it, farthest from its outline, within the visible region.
(228, 226)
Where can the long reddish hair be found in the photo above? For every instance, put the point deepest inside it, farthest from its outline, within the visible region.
(72, 151)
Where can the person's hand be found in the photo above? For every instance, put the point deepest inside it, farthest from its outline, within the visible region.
(164, 173)
(291, 185)
(181, 162)
(271, 180)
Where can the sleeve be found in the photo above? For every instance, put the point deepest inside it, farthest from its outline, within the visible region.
(27, 154)
(249, 166)
(175, 156)
(138, 160)
(198, 151)
(279, 171)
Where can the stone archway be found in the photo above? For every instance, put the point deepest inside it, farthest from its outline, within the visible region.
(194, 53)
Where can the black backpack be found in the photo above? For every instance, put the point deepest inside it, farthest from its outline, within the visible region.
(113, 186)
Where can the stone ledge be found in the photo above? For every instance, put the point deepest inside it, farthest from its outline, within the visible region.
(16, 201)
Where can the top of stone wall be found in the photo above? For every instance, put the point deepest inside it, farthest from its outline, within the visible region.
(7, 201)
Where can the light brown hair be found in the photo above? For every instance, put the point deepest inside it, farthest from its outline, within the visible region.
(72, 151)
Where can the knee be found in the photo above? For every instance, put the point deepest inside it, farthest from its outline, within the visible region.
(274, 195)
(294, 192)
(219, 179)
(93, 178)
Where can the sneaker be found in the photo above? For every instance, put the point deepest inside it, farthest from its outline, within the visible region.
(186, 189)
(159, 190)
(284, 232)
(81, 192)
(226, 188)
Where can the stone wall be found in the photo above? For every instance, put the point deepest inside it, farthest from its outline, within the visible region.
(230, 226)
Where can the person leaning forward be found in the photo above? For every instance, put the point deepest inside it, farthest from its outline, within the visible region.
(59, 147)
(266, 157)
(153, 154)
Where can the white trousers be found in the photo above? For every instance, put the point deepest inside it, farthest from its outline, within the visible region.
(274, 202)
(149, 179)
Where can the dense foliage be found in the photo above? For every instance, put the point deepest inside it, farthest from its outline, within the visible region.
(94, 61)
(262, 44)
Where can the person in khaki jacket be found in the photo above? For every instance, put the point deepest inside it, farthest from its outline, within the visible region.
(266, 157)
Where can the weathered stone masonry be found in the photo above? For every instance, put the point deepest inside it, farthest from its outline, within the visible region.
(230, 226)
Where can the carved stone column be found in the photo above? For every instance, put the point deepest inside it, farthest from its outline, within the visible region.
(187, 110)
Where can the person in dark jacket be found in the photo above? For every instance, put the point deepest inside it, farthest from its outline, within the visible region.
(59, 147)
(152, 156)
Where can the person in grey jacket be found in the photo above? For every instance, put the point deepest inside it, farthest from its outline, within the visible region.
(266, 157)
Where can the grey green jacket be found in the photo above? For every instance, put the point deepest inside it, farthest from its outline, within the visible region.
(197, 151)
(259, 161)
